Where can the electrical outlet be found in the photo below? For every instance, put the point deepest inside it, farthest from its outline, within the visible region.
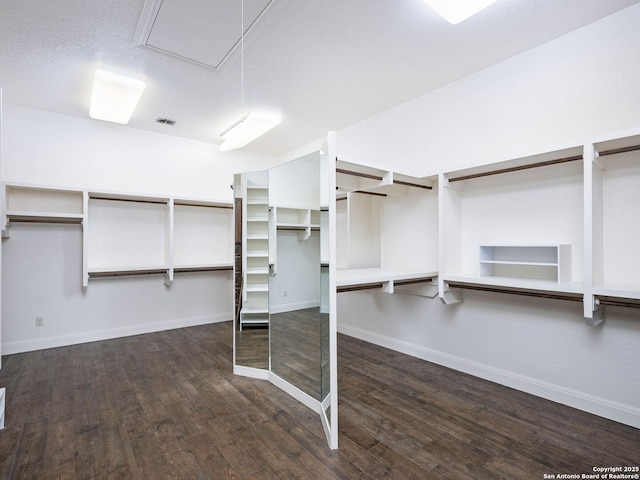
(39, 321)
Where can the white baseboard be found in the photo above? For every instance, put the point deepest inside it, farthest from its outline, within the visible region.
(3, 393)
(618, 412)
(96, 335)
(289, 307)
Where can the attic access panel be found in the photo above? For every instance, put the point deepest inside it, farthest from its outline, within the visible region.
(199, 31)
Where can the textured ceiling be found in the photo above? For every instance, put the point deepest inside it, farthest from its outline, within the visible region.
(321, 64)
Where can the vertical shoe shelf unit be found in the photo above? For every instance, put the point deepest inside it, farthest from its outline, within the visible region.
(386, 230)
(257, 229)
(130, 234)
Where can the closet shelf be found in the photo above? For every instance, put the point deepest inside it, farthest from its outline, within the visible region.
(527, 284)
(353, 177)
(121, 271)
(387, 279)
(45, 217)
(211, 267)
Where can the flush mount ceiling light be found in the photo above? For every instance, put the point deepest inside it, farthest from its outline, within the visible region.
(256, 124)
(455, 11)
(114, 97)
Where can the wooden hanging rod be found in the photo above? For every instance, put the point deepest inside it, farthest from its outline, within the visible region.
(614, 151)
(617, 302)
(411, 282)
(135, 200)
(358, 174)
(515, 169)
(410, 184)
(125, 273)
(36, 219)
(379, 178)
(186, 203)
(202, 269)
(375, 194)
(354, 288)
(524, 292)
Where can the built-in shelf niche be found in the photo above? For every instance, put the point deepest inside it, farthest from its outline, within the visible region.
(544, 262)
(514, 225)
(386, 230)
(615, 190)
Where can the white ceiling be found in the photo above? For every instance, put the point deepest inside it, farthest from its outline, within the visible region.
(321, 64)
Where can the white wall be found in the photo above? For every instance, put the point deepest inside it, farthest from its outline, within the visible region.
(580, 85)
(559, 94)
(42, 269)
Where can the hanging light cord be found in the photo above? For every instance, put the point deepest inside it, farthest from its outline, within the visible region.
(242, 60)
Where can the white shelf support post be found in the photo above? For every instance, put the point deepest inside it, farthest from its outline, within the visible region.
(85, 240)
(169, 247)
(598, 316)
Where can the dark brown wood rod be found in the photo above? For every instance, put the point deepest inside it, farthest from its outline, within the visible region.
(355, 288)
(135, 200)
(375, 194)
(409, 184)
(613, 151)
(515, 169)
(358, 174)
(195, 204)
(25, 219)
(410, 282)
(124, 273)
(526, 293)
(615, 302)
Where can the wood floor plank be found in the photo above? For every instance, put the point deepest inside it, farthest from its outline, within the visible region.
(167, 405)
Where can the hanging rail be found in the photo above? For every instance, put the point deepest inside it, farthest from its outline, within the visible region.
(515, 169)
(379, 178)
(527, 293)
(354, 288)
(186, 203)
(614, 151)
(617, 302)
(124, 199)
(358, 174)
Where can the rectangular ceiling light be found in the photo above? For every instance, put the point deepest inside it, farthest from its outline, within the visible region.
(256, 124)
(455, 11)
(114, 97)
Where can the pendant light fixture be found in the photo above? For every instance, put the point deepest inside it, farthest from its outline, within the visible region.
(256, 123)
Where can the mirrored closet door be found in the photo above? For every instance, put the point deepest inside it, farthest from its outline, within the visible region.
(282, 327)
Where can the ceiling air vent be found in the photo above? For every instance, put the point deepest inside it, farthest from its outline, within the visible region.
(166, 121)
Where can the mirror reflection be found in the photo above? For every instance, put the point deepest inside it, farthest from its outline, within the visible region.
(251, 269)
(282, 328)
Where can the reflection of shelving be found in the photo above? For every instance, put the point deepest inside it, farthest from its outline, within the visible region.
(545, 262)
(255, 292)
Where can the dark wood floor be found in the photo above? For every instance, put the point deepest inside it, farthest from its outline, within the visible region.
(166, 406)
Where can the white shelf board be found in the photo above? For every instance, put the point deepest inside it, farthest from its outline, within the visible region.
(360, 276)
(519, 283)
(510, 262)
(17, 216)
(619, 291)
(204, 266)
